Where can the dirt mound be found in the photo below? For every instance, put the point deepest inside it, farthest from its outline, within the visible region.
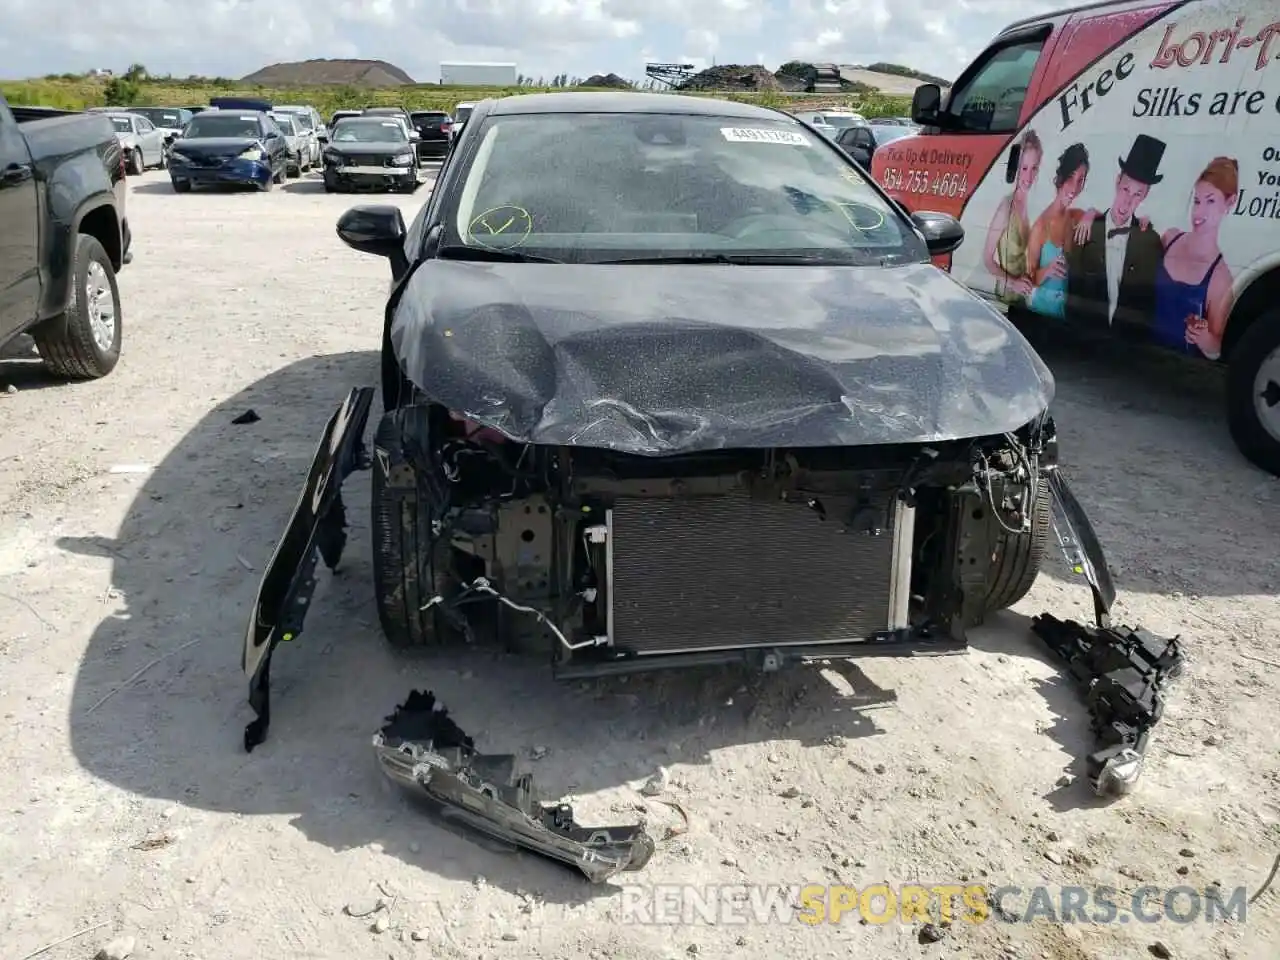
(305, 73)
(733, 77)
(610, 80)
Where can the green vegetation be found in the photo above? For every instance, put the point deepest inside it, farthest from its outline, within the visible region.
(137, 88)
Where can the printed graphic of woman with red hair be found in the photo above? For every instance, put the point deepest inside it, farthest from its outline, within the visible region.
(1005, 256)
(1194, 283)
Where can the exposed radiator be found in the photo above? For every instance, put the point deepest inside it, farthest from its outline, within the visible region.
(712, 573)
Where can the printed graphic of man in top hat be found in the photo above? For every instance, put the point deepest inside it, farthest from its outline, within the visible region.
(1111, 270)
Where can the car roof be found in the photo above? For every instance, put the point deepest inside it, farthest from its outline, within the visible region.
(621, 102)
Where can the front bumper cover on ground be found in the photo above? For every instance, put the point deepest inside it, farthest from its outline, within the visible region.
(420, 747)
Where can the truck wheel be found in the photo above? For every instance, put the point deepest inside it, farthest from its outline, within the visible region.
(1253, 393)
(134, 164)
(84, 342)
(406, 573)
(1018, 556)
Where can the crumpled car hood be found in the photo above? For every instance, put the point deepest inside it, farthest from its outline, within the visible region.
(669, 359)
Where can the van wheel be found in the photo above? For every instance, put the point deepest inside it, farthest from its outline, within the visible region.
(1018, 556)
(407, 573)
(84, 342)
(1253, 393)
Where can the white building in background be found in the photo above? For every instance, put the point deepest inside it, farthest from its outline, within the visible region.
(478, 74)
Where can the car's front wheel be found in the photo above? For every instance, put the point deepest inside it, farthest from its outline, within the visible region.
(1018, 555)
(1253, 393)
(83, 343)
(411, 565)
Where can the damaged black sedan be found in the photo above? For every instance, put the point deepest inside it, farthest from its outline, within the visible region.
(668, 382)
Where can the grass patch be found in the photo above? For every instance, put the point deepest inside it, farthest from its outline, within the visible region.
(77, 93)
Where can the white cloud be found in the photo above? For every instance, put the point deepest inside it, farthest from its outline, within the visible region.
(580, 37)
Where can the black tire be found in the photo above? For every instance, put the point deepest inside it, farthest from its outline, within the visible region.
(293, 172)
(66, 343)
(406, 574)
(1259, 345)
(1018, 556)
(133, 163)
(181, 186)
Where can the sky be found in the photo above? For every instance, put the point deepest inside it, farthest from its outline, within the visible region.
(231, 38)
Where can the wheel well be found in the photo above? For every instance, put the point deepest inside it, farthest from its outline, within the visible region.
(1258, 296)
(101, 224)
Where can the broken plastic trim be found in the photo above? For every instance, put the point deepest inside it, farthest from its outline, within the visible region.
(1122, 670)
(1123, 673)
(1079, 544)
(422, 748)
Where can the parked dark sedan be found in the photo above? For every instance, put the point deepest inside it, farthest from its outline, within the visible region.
(230, 147)
(433, 128)
(861, 143)
(370, 153)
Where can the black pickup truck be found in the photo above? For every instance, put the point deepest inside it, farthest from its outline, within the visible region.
(64, 236)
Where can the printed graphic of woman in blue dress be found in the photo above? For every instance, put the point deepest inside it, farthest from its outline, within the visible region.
(1051, 234)
(1193, 283)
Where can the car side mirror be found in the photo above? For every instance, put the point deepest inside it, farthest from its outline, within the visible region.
(926, 104)
(376, 229)
(942, 233)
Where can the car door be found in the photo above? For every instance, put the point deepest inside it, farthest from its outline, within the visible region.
(862, 145)
(20, 235)
(152, 140)
(277, 147)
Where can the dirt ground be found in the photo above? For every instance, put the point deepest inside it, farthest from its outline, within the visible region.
(137, 519)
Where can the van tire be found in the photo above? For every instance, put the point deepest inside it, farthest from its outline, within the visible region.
(1258, 345)
(66, 342)
(1018, 556)
(407, 572)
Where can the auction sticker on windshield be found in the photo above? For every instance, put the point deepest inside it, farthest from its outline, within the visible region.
(758, 135)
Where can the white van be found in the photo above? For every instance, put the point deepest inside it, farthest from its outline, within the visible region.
(1117, 166)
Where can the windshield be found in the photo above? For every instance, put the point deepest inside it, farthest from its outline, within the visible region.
(597, 187)
(162, 118)
(210, 125)
(123, 124)
(302, 120)
(286, 124)
(369, 131)
(836, 120)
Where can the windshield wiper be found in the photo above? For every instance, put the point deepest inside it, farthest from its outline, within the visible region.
(490, 255)
(737, 259)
